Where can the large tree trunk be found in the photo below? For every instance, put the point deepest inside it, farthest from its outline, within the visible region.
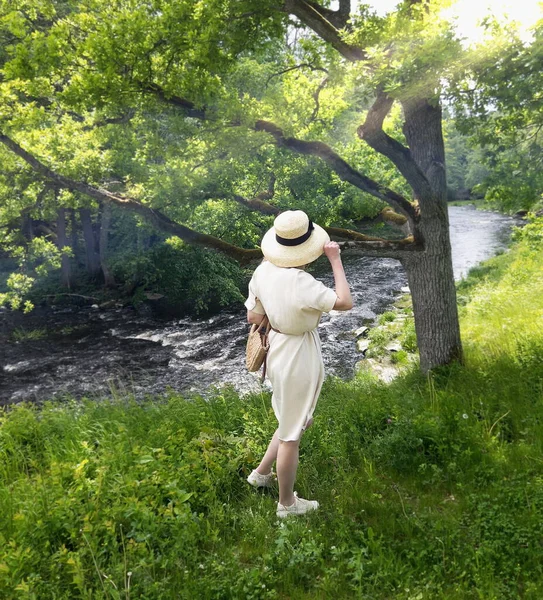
(109, 281)
(430, 273)
(62, 242)
(434, 304)
(92, 257)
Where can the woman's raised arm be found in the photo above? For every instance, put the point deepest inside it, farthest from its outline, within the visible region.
(343, 291)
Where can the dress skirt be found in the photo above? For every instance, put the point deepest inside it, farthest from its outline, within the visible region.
(296, 371)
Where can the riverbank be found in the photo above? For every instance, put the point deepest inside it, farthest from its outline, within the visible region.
(430, 487)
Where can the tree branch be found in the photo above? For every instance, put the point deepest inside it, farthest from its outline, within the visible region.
(160, 220)
(371, 131)
(126, 118)
(384, 249)
(188, 107)
(348, 234)
(326, 24)
(316, 98)
(300, 66)
(340, 167)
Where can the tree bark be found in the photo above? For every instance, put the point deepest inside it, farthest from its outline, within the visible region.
(92, 257)
(62, 242)
(430, 273)
(105, 221)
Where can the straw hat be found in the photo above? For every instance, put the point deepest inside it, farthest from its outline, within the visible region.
(293, 240)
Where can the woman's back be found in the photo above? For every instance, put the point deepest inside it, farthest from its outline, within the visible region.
(293, 299)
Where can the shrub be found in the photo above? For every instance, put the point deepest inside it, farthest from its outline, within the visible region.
(386, 317)
(193, 280)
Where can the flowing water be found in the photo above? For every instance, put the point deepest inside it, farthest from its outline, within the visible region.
(93, 353)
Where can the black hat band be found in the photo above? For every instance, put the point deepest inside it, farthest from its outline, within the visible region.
(296, 241)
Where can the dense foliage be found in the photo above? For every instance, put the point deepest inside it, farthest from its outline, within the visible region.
(429, 487)
(192, 280)
(498, 104)
(92, 90)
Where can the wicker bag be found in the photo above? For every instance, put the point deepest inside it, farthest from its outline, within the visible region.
(257, 345)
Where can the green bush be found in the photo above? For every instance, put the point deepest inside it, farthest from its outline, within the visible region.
(408, 336)
(193, 280)
(399, 357)
(386, 317)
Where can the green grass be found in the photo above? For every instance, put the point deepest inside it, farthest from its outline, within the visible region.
(430, 487)
(20, 334)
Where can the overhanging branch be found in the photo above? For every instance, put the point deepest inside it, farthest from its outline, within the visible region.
(340, 167)
(326, 24)
(160, 220)
(400, 250)
(188, 107)
(338, 232)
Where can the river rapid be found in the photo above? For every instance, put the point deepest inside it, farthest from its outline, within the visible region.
(95, 354)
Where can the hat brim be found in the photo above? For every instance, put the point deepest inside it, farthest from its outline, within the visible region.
(294, 256)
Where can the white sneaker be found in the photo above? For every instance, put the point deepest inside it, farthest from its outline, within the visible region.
(300, 507)
(257, 480)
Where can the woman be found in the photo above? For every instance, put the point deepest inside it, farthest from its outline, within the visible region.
(293, 300)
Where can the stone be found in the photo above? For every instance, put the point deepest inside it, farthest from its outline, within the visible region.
(362, 345)
(361, 331)
(383, 372)
(107, 304)
(393, 347)
(405, 289)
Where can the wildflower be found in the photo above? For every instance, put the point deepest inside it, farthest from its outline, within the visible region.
(201, 566)
(465, 416)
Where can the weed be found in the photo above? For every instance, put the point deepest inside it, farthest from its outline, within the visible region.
(20, 334)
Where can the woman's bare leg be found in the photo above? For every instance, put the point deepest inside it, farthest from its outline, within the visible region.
(270, 457)
(287, 466)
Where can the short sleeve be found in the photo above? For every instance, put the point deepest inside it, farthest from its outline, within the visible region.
(314, 294)
(253, 303)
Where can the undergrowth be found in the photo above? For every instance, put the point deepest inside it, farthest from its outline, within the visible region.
(430, 487)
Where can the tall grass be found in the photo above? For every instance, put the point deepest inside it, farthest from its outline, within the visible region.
(430, 487)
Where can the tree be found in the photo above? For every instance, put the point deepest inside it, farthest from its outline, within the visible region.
(497, 102)
(466, 171)
(188, 103)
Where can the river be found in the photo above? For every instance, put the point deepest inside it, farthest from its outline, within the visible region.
(92, 353)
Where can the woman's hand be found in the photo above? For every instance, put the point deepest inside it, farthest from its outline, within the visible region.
(332, 251)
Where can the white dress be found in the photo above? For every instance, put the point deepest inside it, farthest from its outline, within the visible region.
(294, 302)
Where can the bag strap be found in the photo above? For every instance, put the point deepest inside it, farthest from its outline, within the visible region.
(265, 323)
